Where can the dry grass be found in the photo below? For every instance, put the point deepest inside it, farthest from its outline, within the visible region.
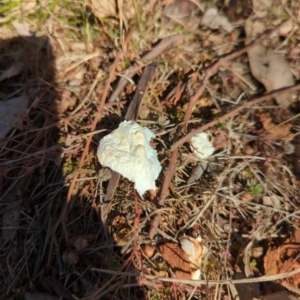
(55, 238)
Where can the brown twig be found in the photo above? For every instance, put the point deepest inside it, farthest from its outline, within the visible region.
(135, 103)
(212, 70)
(206, 282)
(168, 174)
(153, 53)
(234, 112)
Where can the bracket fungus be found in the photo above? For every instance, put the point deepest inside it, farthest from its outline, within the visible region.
(127, 151)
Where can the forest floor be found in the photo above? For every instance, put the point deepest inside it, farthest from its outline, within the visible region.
(217, 83)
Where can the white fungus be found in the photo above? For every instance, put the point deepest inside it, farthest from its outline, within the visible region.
(127, 151)
(201, 145)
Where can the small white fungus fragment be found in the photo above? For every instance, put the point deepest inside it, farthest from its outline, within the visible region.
(201, 145)
(213, 20)
(127, 151)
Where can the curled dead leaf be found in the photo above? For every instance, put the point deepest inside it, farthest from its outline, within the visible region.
(268, 67)
(249, 150)
(246, 196)
(194, 248)
(273, 71)
(184, 261)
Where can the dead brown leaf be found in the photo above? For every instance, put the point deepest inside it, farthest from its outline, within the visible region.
(285, 259)
(221, 140)
(273, 131)
(182, 12)
(268, 67)
(103, 8)
(177, 259)
(272, 70)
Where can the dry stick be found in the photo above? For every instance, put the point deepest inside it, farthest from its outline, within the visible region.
(135, 103)
(253, 102)
(153, 53)
(205, 282)
(168, 173)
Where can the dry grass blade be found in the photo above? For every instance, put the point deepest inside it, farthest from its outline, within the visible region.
(205, 282)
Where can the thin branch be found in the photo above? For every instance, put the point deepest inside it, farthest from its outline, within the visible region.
(153, 53)
(212, 70)
(205, 282)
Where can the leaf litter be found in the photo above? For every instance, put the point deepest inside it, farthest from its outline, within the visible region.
(71, 228)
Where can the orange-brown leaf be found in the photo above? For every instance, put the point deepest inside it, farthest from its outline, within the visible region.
(274, 132)
(177, 259)
(285, 259)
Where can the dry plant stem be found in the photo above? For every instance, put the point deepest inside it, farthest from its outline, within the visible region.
(168, 175)
(249, 104)
(141, 89)
(136, 223)
(153, 53)
(205, 282)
